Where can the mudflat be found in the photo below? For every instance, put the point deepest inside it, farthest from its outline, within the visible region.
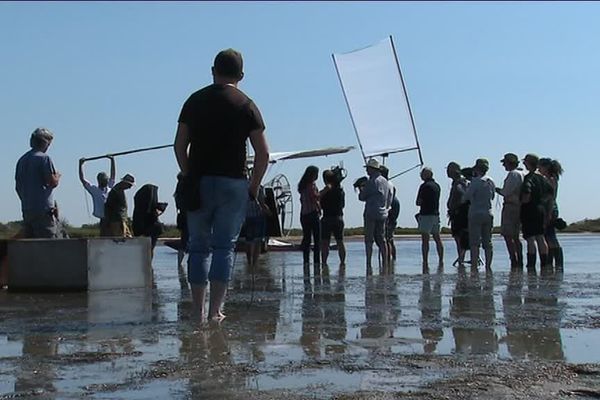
(453, 333)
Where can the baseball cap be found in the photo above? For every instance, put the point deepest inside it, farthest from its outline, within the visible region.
(229, 63)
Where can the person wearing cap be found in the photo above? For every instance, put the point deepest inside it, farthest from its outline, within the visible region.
(115, 209)
(458, 211)
(480, 194)
(428, 218)
(376, 194)
(552, 170)
(510, 225)
(392, 218)
(210, 146)
(536, 194)
(99, 192)
(35, 180)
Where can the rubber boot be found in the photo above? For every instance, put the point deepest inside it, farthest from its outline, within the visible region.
(531, 261)
(559, 258)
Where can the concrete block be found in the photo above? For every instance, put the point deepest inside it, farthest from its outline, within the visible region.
(44, 264)
(119, 264)
(79, 264)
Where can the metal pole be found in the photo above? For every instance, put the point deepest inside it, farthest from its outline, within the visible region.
(349, 110)
(122, 153)
(412, 120)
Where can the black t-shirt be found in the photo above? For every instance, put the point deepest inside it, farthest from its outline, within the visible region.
(332, 202)
(429, 193)
(539, 188)
(220, 118)
(115, 208)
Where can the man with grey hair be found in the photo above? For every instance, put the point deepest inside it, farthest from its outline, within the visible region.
(480, 194)
(428, 218)
(35, 178)
(377, 196)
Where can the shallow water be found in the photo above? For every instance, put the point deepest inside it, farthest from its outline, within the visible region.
(338, 332)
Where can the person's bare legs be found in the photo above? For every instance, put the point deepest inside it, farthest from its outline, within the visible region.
(341, 251)
(489, 253)
(180, 256)
(324, 250)
(369, 255)
(475, 256)
(218, 290)
(512, 251)
(198, 301)
(542, 249)
(425, 248)
(439, 246)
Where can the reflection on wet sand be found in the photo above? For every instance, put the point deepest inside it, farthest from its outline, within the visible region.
(430, 304)
(473, 313)
(382, 310)
(533, 318)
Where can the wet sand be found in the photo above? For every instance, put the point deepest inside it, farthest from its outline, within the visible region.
(450, 334)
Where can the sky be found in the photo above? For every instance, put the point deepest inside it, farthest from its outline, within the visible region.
(483, 79)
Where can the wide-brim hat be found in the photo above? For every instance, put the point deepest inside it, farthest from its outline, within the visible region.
(373, 163)
(128, 178)
(482, 164)
(510, 158)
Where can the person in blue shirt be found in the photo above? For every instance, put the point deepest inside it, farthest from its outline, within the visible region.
(35, 179)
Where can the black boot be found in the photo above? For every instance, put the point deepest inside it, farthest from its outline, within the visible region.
(531, 261)
(559, 258)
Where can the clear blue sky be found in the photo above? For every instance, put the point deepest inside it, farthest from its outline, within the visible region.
(483, 79)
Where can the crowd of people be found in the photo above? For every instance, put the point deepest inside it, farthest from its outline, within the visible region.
(216, 194)
(529, 209)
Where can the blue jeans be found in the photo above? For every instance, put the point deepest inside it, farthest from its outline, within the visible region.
(214, 228)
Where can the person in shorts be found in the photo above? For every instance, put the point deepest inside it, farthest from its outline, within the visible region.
(377, 196)
(332, 223)
(510, 225)
(536, 195)
(428, 218)
(392, 218)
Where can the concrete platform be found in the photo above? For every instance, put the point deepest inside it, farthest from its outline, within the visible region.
(79, 264)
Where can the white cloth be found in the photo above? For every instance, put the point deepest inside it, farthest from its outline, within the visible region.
(99, 196)
(512, 186)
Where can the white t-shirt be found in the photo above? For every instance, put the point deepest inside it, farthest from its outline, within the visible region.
(99, 196)
(512, 187)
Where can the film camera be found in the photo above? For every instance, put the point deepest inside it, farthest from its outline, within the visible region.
(339, 173)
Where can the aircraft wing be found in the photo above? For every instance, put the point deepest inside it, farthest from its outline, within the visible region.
(291, 155)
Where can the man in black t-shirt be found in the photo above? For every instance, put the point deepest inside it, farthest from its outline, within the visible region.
(535, 195)
(428, 200)
(215, 123)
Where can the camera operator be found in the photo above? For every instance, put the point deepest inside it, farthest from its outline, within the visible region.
(332, 203)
